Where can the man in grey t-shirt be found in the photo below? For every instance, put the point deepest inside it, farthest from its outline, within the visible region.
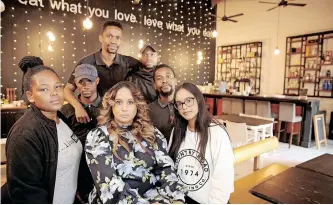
(162, 109)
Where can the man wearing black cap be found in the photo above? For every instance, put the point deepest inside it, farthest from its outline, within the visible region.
(142, 77)
(86, 80)
(111, 66)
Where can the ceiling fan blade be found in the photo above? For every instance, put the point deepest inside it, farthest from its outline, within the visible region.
(214, 15)
(273, 8)
(295, 4)
(241, 14)
(266, 2)
(232, 20)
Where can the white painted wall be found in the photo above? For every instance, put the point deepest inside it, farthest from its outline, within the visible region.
(259, 25)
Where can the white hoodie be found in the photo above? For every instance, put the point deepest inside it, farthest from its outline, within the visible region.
(209, 179)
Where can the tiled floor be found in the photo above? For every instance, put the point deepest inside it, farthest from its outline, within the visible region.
(283, 155)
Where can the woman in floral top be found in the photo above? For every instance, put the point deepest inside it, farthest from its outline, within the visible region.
(127, 156)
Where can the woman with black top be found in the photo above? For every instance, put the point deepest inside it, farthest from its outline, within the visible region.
(42, 152)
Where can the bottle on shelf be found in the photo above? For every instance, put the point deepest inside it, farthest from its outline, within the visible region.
(325, 85)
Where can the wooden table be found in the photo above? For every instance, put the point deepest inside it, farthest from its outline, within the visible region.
(242, 195)
(296, 186)
(322, 164)
(251, 123)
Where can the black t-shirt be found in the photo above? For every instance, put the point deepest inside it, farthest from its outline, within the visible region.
(163, 117)
(145, 82)
(109, 75)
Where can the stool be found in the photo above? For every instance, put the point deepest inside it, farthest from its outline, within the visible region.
(287, 113)
(236, 106)
(250, 107)
(226, 105)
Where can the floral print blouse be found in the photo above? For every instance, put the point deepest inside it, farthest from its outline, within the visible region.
(139, 176)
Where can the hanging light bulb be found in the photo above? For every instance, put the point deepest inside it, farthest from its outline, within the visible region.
(198, 62)
(141, 44)
(50, 48)
(214, 34)
(139, 55)
(51, 36)
(200, 58)
(87, 23)
(199, 53)
(277, 51)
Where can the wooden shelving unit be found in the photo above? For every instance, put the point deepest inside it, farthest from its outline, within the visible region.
(239, 63)
(306, 64)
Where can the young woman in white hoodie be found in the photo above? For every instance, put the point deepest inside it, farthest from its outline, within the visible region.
(201, 149)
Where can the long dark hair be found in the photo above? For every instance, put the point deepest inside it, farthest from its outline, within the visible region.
(202, 123)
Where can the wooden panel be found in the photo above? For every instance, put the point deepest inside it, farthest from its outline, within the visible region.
(296, 186)
(322, 164)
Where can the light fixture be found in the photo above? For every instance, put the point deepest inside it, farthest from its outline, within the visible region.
(198, 62)
(50, 48)
(51, 36)
(277, 51)
(141, 44)
(87, 23)
(214, 34)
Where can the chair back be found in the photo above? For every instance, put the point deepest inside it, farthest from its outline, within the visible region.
(238, 133)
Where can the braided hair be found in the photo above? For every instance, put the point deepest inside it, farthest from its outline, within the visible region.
(30, 66)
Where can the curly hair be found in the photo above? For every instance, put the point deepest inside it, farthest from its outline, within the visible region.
(142, 127)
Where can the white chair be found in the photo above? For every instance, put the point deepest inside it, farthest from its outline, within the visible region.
(226, 105)
(269, 129)
(287, 113)
(250, 107)
(236, 106)
(238, 134)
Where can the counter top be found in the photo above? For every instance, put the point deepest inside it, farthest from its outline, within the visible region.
(272, 98)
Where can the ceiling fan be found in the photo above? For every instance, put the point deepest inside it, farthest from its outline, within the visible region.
(283, 3)
(226, 18)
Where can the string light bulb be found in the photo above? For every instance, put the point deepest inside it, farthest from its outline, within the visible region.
(141, 44)
(51, 36)
(277, 51)
(87, 23)
(214, 34)
(50, 48)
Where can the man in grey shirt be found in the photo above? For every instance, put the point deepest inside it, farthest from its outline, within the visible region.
(162, 109)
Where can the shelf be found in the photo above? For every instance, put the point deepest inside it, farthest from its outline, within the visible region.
(312, 44)
(326, 64)
(309, 81)
(295, 53)
(296, 41)
(311, 56)
(296, 66)
(328, 37)
(325, 90)
(293, 77)
(292, 88)
(310, 69)
(324, 77)
(242, 53)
